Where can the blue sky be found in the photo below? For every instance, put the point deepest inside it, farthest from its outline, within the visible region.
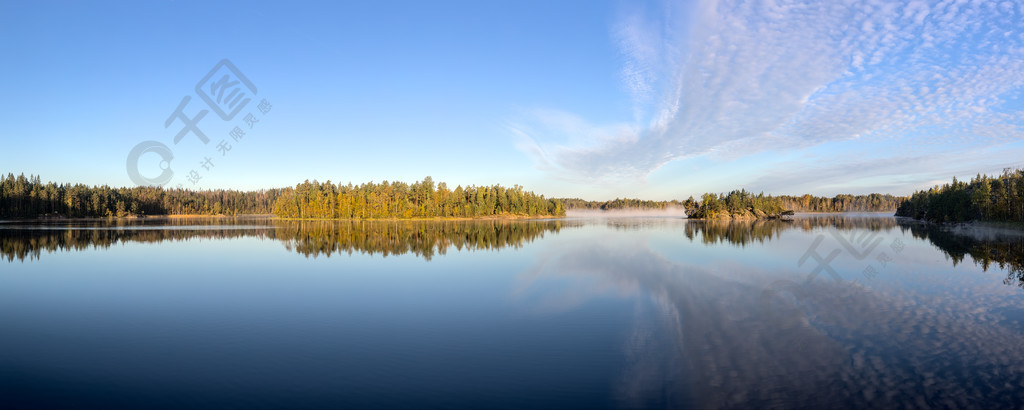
(590, 99)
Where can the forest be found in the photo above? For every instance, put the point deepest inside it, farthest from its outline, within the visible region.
(997, 198)
(841, 203)
(422, 199)
(740, 203)
(29, 197)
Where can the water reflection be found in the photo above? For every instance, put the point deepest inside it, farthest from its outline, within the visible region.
(310, 238)
(985, 246)
(550, 326)
(704, 346)
(707, 343)
(27, 241)
(760, 231)
(422, 238)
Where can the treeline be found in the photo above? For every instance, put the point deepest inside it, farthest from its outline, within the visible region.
(999, 198)
(29, 197)
(618, 203)
(422, 199)
(842, 203)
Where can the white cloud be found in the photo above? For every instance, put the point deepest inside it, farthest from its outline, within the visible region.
(745, 77)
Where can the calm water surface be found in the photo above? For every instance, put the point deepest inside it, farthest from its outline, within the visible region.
(823, 311)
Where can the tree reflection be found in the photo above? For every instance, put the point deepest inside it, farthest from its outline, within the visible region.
(740, 232)
(422, 238)
(310, 238)
(984, 246)
(29, 243)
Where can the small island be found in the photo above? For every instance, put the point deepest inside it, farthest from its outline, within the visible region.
(737, 205)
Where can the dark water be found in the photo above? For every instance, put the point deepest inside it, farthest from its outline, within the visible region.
(824, 311)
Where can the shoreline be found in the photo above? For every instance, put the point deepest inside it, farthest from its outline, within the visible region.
(436, 218)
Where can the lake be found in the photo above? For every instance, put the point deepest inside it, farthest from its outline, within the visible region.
(828, 310)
